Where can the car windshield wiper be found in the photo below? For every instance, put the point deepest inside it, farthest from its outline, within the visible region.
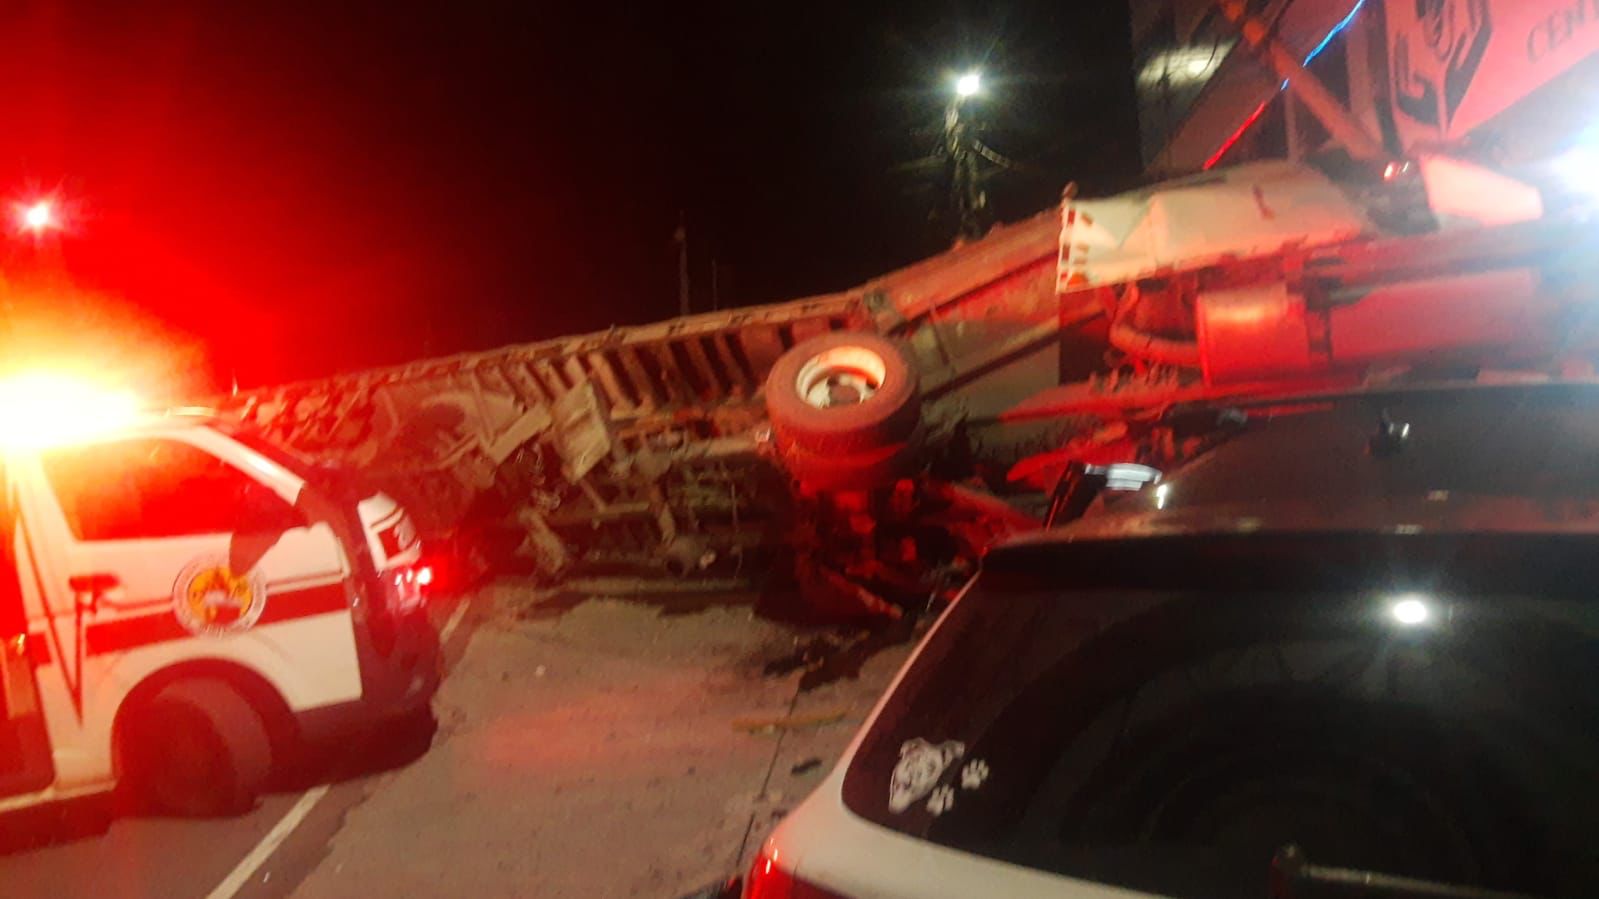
(1294, 877)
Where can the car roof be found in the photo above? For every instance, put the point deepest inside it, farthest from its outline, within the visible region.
(1489, 384)
(1521, 457)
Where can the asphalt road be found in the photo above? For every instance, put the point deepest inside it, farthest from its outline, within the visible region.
(586, 747)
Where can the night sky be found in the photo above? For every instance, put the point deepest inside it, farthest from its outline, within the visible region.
(273, 190)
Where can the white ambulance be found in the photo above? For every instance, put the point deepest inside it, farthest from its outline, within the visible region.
(182, 604)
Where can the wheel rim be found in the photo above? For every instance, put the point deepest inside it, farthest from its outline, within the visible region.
(842, 376)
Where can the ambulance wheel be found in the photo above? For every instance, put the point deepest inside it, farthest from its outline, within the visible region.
(198, 749)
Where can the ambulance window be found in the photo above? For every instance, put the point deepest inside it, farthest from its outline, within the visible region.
(148, 488)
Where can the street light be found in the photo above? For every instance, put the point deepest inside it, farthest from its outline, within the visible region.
(960, 143)
(1411, 610)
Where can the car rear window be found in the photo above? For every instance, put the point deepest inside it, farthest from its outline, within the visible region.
(1073, 712)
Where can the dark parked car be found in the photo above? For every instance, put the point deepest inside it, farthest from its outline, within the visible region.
(1354, 646)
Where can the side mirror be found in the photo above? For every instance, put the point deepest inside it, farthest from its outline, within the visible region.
(1079, 486)
(1127, 477)
(262, 509)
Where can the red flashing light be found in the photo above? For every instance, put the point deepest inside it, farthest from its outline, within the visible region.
(424, 575)
(38, 216)
(43, 409)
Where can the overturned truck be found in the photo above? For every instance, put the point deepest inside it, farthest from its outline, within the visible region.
(666, 449)
(867, 445)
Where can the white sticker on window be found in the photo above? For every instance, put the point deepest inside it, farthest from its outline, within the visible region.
(973, 773)
(921, 766)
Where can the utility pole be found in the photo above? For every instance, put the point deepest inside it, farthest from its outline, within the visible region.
(966, 193)
(681, 236)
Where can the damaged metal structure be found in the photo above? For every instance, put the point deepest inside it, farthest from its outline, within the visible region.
(867, 445)
(650, 448)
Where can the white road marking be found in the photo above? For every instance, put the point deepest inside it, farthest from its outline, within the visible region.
(269, 844)
(455, 621)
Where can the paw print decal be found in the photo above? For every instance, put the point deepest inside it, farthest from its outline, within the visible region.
(942, 800)
(973, 773)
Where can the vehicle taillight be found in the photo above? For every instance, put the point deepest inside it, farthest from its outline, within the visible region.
(768, 881)
(413, 576)
(407, 587)
(437, 571)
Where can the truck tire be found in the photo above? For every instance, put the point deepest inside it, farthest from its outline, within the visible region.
(858, 470)
(842, 393)
(197, 748)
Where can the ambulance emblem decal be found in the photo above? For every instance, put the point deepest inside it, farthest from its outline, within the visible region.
(208, 598)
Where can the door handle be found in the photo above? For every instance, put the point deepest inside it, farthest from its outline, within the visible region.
(96, 583)
(87, 589)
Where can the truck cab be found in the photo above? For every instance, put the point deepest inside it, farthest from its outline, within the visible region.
(183, 605)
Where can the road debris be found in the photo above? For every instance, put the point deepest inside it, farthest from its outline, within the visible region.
(771, 724)
(806, 766)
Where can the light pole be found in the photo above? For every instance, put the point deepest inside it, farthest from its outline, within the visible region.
(680, 237)
(966, 194)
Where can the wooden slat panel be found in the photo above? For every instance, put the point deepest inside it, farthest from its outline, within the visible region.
(738, 381)
(575, 372)
(492, 379)
(715, 383)
(621, 400)
(762, 346)
(554, 384)
(678, 389)
(649, 395)
(527, 386)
